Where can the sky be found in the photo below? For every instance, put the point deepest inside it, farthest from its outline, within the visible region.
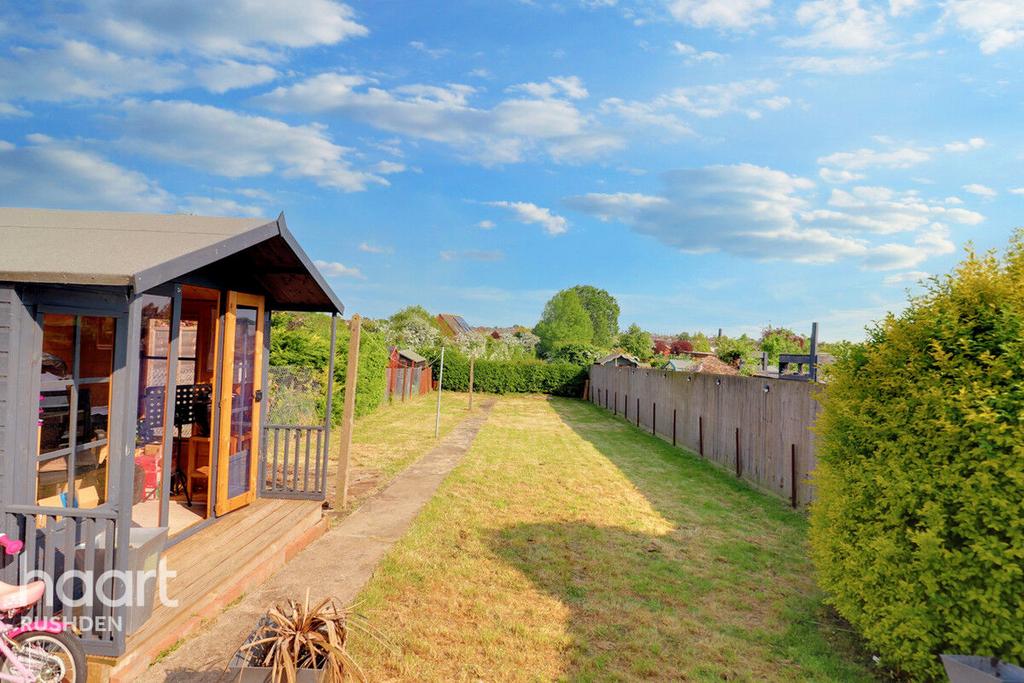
(712, 163)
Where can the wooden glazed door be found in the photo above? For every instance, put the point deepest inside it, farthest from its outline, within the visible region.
(241, 390)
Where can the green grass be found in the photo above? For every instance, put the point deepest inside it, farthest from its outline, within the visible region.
(389, 439)
(569, 545)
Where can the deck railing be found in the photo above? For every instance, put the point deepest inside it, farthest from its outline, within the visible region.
(73, 549)
(293, 463)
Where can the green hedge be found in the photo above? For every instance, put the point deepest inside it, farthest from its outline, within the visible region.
(513, 377)
(917, 532)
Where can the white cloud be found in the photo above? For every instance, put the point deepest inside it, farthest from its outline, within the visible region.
(845, 166)
(980, 190)
(995, 24)
(556, 86)
(762, 213)
(839, 24)
(750, 97)
(78, 70)
(859, 64)
(485, 225)
(911, 276)
(8, 109)
(900, 7)
(374, 248)
(57, 174)
(237, 145)
(229, 75)
(432, 52)
(721, 14)
(1017, 190)
(693, 55)
(836, 176)
(240, 28)
(965, 145)
(219, 206)
(471, 255)
(526, 212)
(507, 133)
(335, 269)
(711, 101)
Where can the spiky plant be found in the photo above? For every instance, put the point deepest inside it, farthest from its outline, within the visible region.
(295, 636)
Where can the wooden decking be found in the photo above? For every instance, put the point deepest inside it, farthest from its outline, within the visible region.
(216, 566)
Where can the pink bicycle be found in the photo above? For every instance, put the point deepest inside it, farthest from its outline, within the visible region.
(43, 651)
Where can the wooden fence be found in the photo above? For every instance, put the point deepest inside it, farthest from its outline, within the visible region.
(757, 428)
(293, 462)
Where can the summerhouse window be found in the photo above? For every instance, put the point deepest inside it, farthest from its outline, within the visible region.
(74, 410)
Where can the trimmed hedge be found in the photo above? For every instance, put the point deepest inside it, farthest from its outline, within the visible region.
(917, 532)
(513, 377)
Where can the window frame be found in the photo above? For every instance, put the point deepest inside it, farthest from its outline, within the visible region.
(73, 384)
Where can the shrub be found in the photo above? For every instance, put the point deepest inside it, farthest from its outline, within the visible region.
(576, 354)
(513, 377)
(681, 346)
(917, 532)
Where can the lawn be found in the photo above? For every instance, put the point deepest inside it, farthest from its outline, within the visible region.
(389, 439)
(570, 545)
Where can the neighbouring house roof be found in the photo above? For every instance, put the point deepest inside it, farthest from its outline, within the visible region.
(680, 365)
(453, 324)
(145, 250)
(612, 356)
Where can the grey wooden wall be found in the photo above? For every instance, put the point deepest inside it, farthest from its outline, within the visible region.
(755, 426)
(6, 317)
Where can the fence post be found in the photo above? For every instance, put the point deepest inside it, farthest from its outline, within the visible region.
(625, 408)
(471, 359)
(637, 411)
(654, 418)
(348, 418)
(440, 388)
(700, 434)
(792, 475)
(673, 426)
(616, 410)
(739, 466)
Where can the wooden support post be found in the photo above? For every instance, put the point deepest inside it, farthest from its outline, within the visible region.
(654, 418)
(625, 408)
(792, 475)
(700, 434)
(739, 465)
(471, 363)
(812, 368)
(586, 390)
(440, 388)
(616, 410)
(637, 411)
(348, 417)
(673, 426)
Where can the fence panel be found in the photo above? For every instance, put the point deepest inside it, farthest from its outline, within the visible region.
(756, 428)
(293, 462)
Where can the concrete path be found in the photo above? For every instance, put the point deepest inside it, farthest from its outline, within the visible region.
(337, 565)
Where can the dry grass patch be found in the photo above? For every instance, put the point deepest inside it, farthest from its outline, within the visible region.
(388, 440)
(570, 546)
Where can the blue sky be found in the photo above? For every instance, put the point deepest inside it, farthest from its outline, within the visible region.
(714, 164)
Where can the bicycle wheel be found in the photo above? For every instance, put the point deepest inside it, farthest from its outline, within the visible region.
(68, 663)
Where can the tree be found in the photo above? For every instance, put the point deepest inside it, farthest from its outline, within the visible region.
(662, 348)
(603, 310)
(681, 346)
(781, 340)
(636, 342)
(576, 354)
(916, 531)
(564, 321)
(412, 328)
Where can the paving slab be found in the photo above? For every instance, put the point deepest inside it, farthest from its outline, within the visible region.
(337, 565)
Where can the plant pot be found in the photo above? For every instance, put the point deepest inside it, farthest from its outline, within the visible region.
(244, 672)
(973, 669)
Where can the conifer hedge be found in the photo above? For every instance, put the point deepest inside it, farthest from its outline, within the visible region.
(513, 377)
(917, 532)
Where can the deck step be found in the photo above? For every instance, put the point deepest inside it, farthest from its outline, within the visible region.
(215, 567)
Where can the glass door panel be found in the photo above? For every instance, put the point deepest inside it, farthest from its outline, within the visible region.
(239, 440)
